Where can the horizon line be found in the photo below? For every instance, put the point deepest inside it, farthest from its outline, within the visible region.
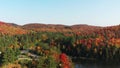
(59, 24)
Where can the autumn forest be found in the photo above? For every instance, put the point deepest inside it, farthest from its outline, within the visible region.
(57, 46)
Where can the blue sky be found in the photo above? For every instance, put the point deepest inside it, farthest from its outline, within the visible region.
(68, 12)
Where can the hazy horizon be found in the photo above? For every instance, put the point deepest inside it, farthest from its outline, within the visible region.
(58, 24)
(65, 12)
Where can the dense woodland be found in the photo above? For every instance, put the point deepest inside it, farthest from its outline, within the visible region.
(30, 48)
(33, 50)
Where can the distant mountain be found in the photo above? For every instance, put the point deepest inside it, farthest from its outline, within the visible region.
(80, 29)
(83, 28)
(47, 27)
(6, 28)
(60, 28)
(13, 24)
(11, 28)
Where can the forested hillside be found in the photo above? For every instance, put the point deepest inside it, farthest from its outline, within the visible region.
(9, 29)
(56, 46)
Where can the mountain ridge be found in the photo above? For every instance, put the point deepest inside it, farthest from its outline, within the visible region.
(6, 28)
(13, 28)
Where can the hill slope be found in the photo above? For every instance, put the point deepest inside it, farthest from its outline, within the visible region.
(60, 28)
(9, 29)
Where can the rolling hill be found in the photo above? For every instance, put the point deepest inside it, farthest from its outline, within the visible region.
(11, 28)
(6, 28)
(60, 28)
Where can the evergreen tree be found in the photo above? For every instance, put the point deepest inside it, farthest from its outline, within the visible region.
(9, 56)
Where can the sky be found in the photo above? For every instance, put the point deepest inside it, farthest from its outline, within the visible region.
(67, 12)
